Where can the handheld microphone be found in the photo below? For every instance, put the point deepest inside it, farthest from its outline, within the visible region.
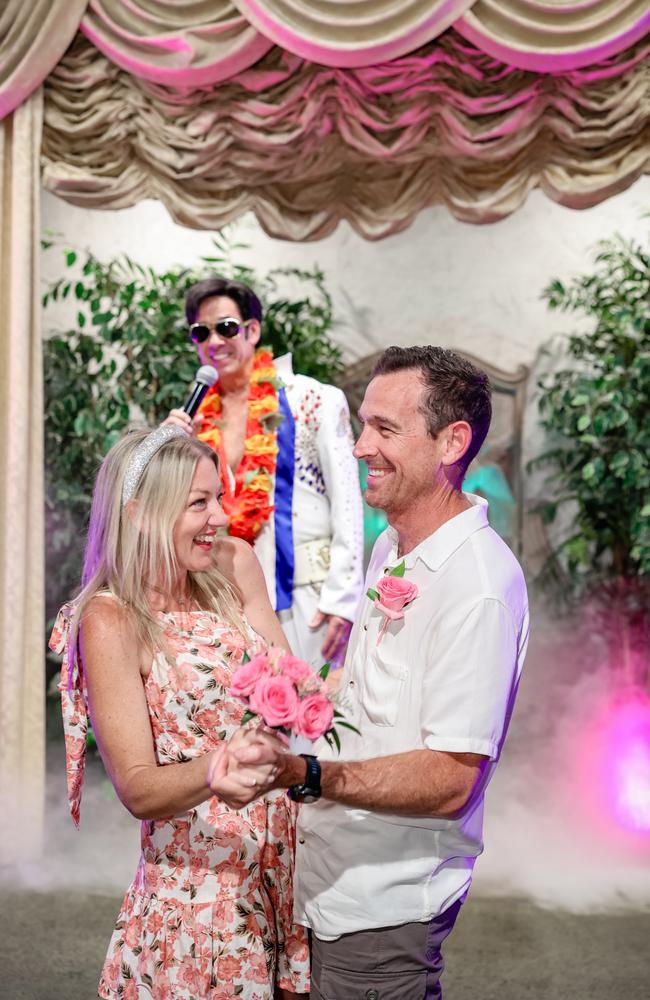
(204, 378)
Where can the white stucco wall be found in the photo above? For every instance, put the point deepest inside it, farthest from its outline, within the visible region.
(441, 281)
(476, 288)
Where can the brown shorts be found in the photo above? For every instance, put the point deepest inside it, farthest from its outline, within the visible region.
(389, 963)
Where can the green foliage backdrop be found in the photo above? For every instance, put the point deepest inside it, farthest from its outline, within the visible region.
(128, 359)
(596, 411)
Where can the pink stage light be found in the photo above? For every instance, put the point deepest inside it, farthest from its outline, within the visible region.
(628, 751)
(610, 787)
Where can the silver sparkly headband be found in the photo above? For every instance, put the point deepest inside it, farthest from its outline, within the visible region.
(143, 455)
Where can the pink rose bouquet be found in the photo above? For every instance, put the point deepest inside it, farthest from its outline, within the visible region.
(392, 594)
(287, 695)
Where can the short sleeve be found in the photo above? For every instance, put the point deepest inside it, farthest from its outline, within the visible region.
(471, 681)
(341, 590)
(74, 709)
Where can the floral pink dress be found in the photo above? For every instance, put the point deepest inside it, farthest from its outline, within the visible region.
(209, 913)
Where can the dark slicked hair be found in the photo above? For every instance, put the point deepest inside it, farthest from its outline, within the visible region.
(455, 389)
(250, 306)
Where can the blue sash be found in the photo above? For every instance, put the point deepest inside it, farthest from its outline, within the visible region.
(284, 472)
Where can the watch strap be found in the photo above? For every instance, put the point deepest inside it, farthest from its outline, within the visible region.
(312, 777)
(309, 789)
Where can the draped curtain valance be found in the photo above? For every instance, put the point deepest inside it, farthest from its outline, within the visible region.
(304, 146)
(191, 43)
(312, 111)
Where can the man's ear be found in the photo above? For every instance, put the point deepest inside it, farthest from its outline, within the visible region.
(254, 331)
(458, 438)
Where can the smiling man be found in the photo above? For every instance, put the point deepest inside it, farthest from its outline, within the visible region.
(389, 832)
(293, 488)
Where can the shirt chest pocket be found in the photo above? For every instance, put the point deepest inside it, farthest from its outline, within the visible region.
(385, 680)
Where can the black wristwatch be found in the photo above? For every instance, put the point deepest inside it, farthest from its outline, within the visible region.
(309, 790)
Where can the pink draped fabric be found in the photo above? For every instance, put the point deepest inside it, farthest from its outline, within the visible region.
(200, 43)
(33, 37)
(568, 34)
(189, 45)
(352, 35)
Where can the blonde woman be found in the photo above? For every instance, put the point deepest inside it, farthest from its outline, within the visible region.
(166, 609)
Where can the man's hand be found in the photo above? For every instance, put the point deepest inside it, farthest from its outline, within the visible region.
(336, 636)
(245, 767)
(179, 418)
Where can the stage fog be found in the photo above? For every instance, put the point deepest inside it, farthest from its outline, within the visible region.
(552, 829)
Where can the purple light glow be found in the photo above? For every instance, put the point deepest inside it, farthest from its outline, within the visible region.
(613, 768)
(628, 746)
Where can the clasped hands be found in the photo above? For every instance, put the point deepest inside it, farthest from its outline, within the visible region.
(246, 766)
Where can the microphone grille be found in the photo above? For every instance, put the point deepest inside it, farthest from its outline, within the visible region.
(207, 375)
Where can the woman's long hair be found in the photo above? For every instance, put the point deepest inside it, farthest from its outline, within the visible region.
(131, 546)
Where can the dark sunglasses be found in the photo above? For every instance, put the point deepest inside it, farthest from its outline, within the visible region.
(228, 328)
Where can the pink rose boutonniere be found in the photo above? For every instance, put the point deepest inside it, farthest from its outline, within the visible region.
(287, 695)
(392, 594)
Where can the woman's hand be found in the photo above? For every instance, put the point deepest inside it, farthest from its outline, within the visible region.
(245, 767)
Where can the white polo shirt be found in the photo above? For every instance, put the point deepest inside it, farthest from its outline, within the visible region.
(444, 677)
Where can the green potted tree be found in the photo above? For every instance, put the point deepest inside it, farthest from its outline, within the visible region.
(595, 409)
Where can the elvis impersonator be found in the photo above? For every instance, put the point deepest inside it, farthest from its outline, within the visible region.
(293, 487)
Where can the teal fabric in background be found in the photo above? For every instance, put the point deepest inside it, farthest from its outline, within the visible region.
(490, 482)
(374, 521)
(487, 480)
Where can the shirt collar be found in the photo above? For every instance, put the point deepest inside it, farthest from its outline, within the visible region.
(436, 549)
(284, 365)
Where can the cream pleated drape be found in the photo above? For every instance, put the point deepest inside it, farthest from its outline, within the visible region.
(530, 34)
(34, 34)
(196, 43)
(305, 146)
(22, 684)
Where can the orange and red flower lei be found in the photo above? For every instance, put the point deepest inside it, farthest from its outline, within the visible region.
(248, 506)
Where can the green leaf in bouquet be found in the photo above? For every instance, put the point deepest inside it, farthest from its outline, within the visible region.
(247, 716)
(245, 658)
(348, 725)
(335, 736)
(324, 670)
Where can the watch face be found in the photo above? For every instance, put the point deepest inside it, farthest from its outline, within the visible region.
(301, 793)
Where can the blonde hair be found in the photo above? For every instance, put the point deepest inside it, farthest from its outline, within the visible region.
(133, 544)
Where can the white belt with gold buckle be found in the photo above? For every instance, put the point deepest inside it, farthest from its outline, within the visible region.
(312, 561)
